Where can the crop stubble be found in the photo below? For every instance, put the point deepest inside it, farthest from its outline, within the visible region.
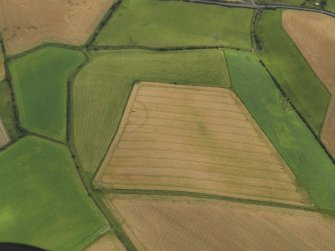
(195, 139)
(4, 139)
(314, 35)
(28, 23)
(180, 223)
(109, 242)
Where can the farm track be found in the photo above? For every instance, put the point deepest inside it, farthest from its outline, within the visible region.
(205, 150)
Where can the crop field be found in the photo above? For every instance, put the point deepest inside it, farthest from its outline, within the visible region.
(40, 84)
(292, 72)
(44, 198)
(288, 133)
(27, 23)
(314, 35)
(4, 138)
(181, 223)
(100, 94)
(195, 139)
(2, 64)
(108, 242)
(149, 23)
(7, 111)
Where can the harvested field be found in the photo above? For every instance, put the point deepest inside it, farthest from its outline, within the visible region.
(27, 23)
(170, 223)
(314, 35)
(109, 242)
(4, 139)
(195, 139)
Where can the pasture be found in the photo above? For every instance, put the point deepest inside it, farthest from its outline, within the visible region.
(151, 23)
(43, 202)
(295, 76)
(195, 139)
(101, 90)
(314, 35)
(28, 23)
(284, 128)
(7, 111)
(40, 85)
(183, 223)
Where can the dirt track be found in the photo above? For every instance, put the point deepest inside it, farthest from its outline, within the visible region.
(27, 23)
(4, 139)
(195, 139)
(170, 223)
(314, 35)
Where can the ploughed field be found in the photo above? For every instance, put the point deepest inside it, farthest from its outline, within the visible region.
(314, 35)
(183, 223)
(27, 23)
(195, 139)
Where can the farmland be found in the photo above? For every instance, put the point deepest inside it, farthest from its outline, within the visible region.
(314, 34)
(291, 70)
(63, 21)
(181, 223)
(43, 198)
(100, 95)
(40, 85)
(7, 111)
(4, 138)
(149, 23)
(107, 242)
(211, 145)
(2, 64)
(284, 128)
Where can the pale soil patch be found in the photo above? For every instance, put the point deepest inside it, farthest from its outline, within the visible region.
(314, 35)
(4, 139)
(108, 242)
(195, 139)
(170, 223)
(27, 23)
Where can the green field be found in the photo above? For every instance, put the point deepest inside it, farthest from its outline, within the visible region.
(175, 23)
(330, 5)
(7, 111)
(101, 90)
(40, 85)
(287, 132)
(43, 202)
(291, 70)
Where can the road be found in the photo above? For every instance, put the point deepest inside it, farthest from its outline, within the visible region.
(261, 6)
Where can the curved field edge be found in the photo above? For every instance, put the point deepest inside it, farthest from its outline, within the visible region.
(40, 85)
(47, 200)
(101, 90)
(285, 62)
(148, 23)
(288, 133)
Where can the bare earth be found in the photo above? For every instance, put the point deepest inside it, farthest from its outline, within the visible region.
(4, 139)
(195, 139)
(28, 23)
(314, 35)
(108, 242)
(170, 223)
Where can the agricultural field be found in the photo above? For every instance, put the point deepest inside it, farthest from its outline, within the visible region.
(313, 168)
(295, 76)
(108, 242)
(2, 64)
(183, 223)
(7, 113)
(195, 139)
(100, 94)
(27, 23)
(149, 23)
(40, 85)
(314, 35)
(42, 198)
(4, 138)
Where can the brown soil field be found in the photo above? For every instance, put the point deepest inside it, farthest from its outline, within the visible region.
(170, 223)
(108, 242)
(314, 35)
(28, 23)
(2, 65)
(4, 139)
(195, 139)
